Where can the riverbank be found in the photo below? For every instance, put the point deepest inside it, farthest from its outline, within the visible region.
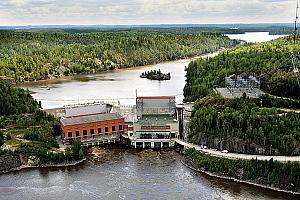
(52, 165)
(79, 76)
(189, 163)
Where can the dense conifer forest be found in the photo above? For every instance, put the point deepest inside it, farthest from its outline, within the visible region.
(270, 61)
(26, 131)
(240, 125)
(271, 173)
(27, 56)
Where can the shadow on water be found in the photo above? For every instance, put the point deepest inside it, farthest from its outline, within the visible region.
(136, 172)
(241, 188)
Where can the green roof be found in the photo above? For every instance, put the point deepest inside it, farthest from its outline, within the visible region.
(156, 120)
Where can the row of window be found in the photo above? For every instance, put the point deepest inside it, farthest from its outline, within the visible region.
(92, 131)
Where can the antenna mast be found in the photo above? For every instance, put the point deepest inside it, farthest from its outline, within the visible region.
(296, 21)
(294, 55)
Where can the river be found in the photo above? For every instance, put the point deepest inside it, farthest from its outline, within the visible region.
(254, 37)
(126, 174)
(118, 85)
(121, 174)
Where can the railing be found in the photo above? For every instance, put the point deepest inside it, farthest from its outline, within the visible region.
(155, 127)
(95, 137)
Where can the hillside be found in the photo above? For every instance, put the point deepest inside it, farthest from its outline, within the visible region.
(270, 60)
(42, 55)
(26, 135)
(241, 126)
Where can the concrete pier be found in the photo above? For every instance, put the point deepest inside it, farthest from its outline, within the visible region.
(152, 143)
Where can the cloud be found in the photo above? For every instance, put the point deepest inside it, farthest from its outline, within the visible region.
(23, 12)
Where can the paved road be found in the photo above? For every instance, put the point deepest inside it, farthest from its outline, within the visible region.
(289, 110)
(239, 156)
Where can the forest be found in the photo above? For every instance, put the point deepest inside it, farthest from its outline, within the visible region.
(156, 75)
(26, 130)
(241, 125)
(284, 176)
(270, 61)
(27, 56)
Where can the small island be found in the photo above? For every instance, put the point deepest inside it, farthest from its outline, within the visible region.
(156, 75)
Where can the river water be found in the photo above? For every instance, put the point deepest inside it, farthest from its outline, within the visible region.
(117, 85)
(121, 174)
(126, 174)
(254, 37)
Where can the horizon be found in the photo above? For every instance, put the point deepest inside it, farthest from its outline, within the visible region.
(154, 24)
(144, 12)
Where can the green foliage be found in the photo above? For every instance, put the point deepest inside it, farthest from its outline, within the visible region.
(8, 136)
(40, 150)
(156, 75)
(44, 135)
(281, 175)
(243, 119)
(14, 101)
(19, 110)
(270, 60)
(269, 101)
(1, 139)
(76, 148)
(38, 55)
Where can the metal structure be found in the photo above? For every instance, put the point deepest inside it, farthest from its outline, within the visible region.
(242, 81)
(155, 105)
(295, 56)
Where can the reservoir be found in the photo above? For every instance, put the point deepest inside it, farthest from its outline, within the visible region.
(121, 173)
(117, 85)
(126, 174)
(254, 37)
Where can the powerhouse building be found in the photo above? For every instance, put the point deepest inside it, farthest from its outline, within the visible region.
(152, 123)
(91, 124)
(156, 122)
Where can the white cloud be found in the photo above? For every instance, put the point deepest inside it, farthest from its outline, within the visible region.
(21, 12)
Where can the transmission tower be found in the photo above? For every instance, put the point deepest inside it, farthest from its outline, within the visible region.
(295, 56)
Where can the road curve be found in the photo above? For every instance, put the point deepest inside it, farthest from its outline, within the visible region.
(237, 155)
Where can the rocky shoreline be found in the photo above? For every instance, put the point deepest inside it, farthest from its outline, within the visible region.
(50, 165)
(191, 165)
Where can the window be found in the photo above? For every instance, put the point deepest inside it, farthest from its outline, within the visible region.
(70, 134)
(99, 131)
(85, 132)
(77, 134)
(120, 127)
(113, 128)
(106, 130)
(92, 131)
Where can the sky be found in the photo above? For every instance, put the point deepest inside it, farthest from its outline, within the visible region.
(90, 12)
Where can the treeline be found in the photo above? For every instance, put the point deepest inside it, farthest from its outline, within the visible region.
(156, 75)
(38, 55)
(19, 109)
(240, 125)
(271, 61)
(271, 173)
(43, 156)
(14, 101)
(41, 134)
(22, 117)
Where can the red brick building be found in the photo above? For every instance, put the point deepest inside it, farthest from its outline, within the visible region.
(93, 129)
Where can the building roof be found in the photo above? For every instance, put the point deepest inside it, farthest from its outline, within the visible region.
(85, 109)
(156, 120)
(89, 119)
